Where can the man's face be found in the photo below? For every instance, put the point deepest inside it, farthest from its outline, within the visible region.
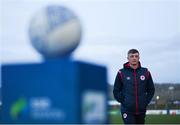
(133, 58)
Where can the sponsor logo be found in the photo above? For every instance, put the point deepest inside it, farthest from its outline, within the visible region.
(35, 108)
(128, 78)
(93, 107)
(18, 108)
(124, 115)
(42, 108)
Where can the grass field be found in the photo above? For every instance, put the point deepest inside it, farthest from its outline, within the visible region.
(150, 119)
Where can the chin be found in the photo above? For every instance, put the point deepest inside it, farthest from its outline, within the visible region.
(135, 63)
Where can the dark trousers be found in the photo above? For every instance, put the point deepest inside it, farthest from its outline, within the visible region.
(133, 118)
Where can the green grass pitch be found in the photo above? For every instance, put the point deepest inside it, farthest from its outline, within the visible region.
(150, 119)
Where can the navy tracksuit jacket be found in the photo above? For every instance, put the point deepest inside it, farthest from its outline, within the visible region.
(134, 89)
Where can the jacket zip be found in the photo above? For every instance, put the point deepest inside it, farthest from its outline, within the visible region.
(136, 91)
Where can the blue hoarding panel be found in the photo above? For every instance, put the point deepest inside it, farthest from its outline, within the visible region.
(58, 91)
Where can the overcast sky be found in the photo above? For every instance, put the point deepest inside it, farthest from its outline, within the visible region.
(110, 29)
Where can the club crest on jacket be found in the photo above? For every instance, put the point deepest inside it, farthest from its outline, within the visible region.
(142, 77)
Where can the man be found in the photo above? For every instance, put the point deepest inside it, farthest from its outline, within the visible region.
(134, 89)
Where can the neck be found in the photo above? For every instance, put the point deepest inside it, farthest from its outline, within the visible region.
(134, 66)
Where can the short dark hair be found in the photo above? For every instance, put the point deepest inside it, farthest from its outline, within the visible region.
(132, 51)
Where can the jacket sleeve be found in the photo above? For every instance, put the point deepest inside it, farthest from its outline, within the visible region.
(150, 88)
(117, 90)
